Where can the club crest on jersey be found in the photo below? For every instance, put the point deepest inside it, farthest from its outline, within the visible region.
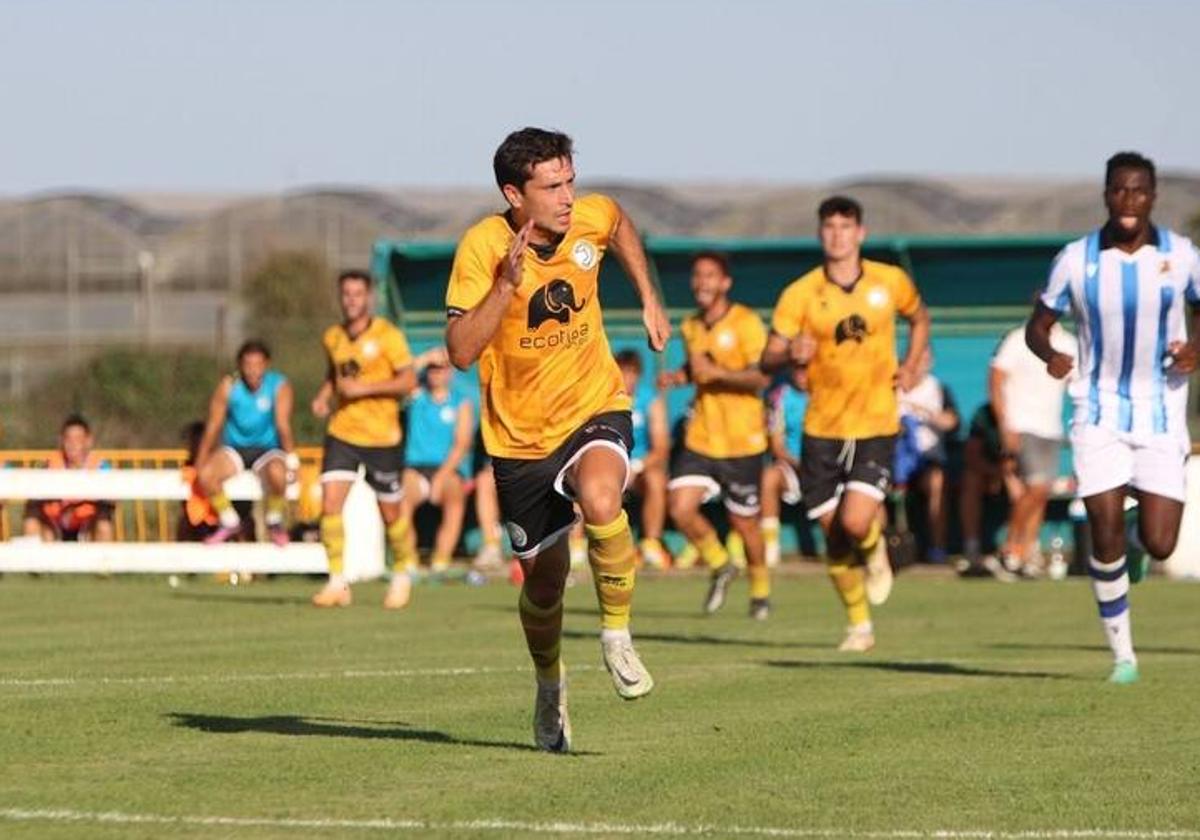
(1165, 268)
(851, 328)
(877, 298)
(1091, 269)
(553, 302)
(370, 349)
(263, 403)
(584, 254)
(725, 339)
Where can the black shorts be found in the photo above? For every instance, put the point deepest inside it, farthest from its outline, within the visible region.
(383, 465)
(830, 465)
(253, 458)
(737, 479)
(535, 502)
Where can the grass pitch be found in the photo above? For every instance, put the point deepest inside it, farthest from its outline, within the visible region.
(130, 709)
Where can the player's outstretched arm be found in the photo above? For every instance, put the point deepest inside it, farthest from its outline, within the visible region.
(218, 406)
(627, 245)
(1037, 337)
(471, 331)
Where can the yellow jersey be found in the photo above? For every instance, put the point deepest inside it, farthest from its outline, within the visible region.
(548, 368)
(374, 355)
(852, 393)
(726, 423)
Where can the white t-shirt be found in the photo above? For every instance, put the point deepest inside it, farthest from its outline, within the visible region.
(1033, 399)
(926, 399)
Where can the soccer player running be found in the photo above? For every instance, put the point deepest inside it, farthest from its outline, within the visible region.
(1126, 284)
(726, 435)
(838, 321)
(369, 370)
(523, 300)
(250, 412)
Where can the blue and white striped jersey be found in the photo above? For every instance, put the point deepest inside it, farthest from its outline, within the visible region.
(1128, 309)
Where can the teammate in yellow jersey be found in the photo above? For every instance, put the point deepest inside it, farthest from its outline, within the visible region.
(523, 301)
(838, 321)
(726, 434)
(370, 370)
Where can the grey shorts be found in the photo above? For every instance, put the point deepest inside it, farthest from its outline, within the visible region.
(1037, 459)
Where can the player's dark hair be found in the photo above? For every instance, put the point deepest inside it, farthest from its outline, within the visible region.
(1129, 160)
(522, 150)
(253, 345)
(354, 274)
(73, 420)
(840, 205)
(630, 359)
(722, 260)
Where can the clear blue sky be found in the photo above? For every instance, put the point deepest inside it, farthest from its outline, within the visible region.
(251, 95)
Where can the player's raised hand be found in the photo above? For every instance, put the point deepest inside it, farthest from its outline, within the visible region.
(512, 268)
(1060, 365)
(658, 325)
(1184, 356)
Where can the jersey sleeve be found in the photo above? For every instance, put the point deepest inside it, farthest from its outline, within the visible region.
(471, 276)
(397, 350)
(1057, 294)
(754, 337)
(788, 318)
(908, 299)
(607, 216)
(1192, 290)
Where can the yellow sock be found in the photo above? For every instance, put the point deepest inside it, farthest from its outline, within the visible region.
(712, 551)
(760, 581)
(736, 547)
(439, 563)
(770, 529)
(333, 537)
(848, 581)
(224, 508)
(872, 537)
(275, 509)
(613, 560)
(403, 557)
(543, 636)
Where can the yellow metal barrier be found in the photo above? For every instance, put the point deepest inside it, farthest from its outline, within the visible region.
(146, 521)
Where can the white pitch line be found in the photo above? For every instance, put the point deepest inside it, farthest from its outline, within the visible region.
(169, 679)
(670, 829)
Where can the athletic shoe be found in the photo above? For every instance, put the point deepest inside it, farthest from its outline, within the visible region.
(857, 641)
(654, 556)
(332, 595)
(551, 725)
(719, 587)
(399, 592)
(996, 569)
(760, 609)
(630, 677)
(687, 558)
(1124, 673)
(223, 534)
(879, 574)
(278, 535)
(488, 559)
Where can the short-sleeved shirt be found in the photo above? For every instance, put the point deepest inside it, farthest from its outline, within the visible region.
(432, 423)
(727, 423)
(374, 355)
(1128, 308)
(1033, 399)
(850, 379)
(549, 367)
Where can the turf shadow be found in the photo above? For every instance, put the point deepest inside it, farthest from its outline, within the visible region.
(702, 639)
(1178, 651)
(941, 669)
(302, 725)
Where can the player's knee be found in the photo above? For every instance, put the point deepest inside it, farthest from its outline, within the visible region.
(680, 508)
(600, 506)
(856, 526)
(1158, 542)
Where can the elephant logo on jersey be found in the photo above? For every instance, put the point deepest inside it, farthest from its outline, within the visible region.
(553, 302)
(349, 369)
(851, 328)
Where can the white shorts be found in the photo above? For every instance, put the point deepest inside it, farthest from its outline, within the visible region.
(1106, 459)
